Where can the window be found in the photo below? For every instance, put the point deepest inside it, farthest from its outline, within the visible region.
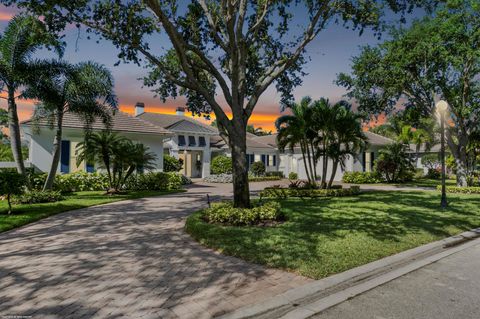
(250, 159)
(181, 140)
(264, 159)
(90, 168)
(191, 141)
(274, 160)
(201, 141)
(65, 157)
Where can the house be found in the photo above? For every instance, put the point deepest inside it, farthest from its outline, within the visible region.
(184, 138)
(40, 134)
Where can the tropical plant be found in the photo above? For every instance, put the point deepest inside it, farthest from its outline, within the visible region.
(296, 130)
(436, 58)
(240, 47)
(394, 164)
(23, 36)
(119, 156)
(11, 183)
(84, 89)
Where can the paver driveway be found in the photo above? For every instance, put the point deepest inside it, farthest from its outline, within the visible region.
(129, 259)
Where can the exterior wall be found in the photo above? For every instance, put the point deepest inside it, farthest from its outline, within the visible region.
(41, 144)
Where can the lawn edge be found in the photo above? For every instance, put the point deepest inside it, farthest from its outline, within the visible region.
(300, 302)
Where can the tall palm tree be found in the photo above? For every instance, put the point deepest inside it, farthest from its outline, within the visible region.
(85, 89)
(23, 36)
(296, 130)
(347, 138)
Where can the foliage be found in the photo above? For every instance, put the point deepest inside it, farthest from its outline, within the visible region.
(23, 36)
(118, 155)
(258, 169)
(362, 177)
(6, 153)
(433, 173)
(11, 183)
(186, 180)
(258, 131)
(239, 48)
(322, 131)
(154, 181)
(277, 192)
(171, 164)
(84, 89)
(461, 190)
(437, 57)
(221, 165)
(71, 182)
(431, 161)
(394, 164)
(278, 174)
(224, 213)
(264, 178)
(292, 176)
(35, 197)
(326, 236)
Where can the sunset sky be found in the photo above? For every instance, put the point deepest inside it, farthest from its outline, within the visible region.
(329, 53)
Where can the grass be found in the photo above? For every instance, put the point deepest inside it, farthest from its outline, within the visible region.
(326, 236)
(28, 213)
(426, 182)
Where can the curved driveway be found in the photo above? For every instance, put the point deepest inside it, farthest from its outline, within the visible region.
(128, 259)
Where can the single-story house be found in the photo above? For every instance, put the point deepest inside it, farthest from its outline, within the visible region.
(184, 138)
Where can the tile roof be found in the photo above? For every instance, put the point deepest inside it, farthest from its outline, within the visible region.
(379, 140)
(121, 122)
(217, 142)
(177, 123)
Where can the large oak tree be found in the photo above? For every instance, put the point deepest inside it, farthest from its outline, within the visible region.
(224, 54)
(436, 58)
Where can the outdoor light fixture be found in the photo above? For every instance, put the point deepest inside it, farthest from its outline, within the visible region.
(442, 108)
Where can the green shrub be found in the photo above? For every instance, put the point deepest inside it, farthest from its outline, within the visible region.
(159, 181)
(258, 169)
(263, 178)
(433, 173)
(277, 192)
(274, 173)
(394, 164)
(34, 197)
(292, 176)
(171, 164)
(72, 182)
(221, 165)
(11, 183)
(361, 178)
(225, 213)
(461, 190)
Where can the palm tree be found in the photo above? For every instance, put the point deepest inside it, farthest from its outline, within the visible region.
(84, 89)
(119, 156)
(23, 36)
(347, 137)
(296, 130)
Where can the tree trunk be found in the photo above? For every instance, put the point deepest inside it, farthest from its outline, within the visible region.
(459, 152)
(334, 172)
(241, 191)
(9, 201)
(56, 151)
(14, 127)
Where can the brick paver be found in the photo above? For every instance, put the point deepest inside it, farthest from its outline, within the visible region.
(129, 259)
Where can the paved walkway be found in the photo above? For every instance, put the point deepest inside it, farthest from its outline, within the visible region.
(449, 288)
(128, 259)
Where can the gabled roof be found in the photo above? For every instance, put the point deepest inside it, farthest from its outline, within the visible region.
(177, 123)
(121, 122)
(217, 142)
(376, 139)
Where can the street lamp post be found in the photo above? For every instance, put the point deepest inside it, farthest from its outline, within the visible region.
(442, 107)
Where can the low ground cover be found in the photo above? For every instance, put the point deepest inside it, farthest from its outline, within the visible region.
(27, 213)
(323, 236)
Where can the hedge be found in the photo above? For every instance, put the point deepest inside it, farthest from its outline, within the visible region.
(277, 192)
(263, 178)
(461, 190)
(224, 213)
(154, 181)
(361, 178)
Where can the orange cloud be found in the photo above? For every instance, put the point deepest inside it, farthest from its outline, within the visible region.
(5, 16)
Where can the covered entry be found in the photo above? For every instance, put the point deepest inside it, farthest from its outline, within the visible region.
(192, 163)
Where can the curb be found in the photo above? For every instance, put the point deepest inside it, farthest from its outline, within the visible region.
(312, 298)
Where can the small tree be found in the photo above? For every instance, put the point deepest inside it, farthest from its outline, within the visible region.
(221, 165)
(258, 169)
(11, 183)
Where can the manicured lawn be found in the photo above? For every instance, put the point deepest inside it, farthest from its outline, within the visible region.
(24, 214)
(326, 236)
(425, 182)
